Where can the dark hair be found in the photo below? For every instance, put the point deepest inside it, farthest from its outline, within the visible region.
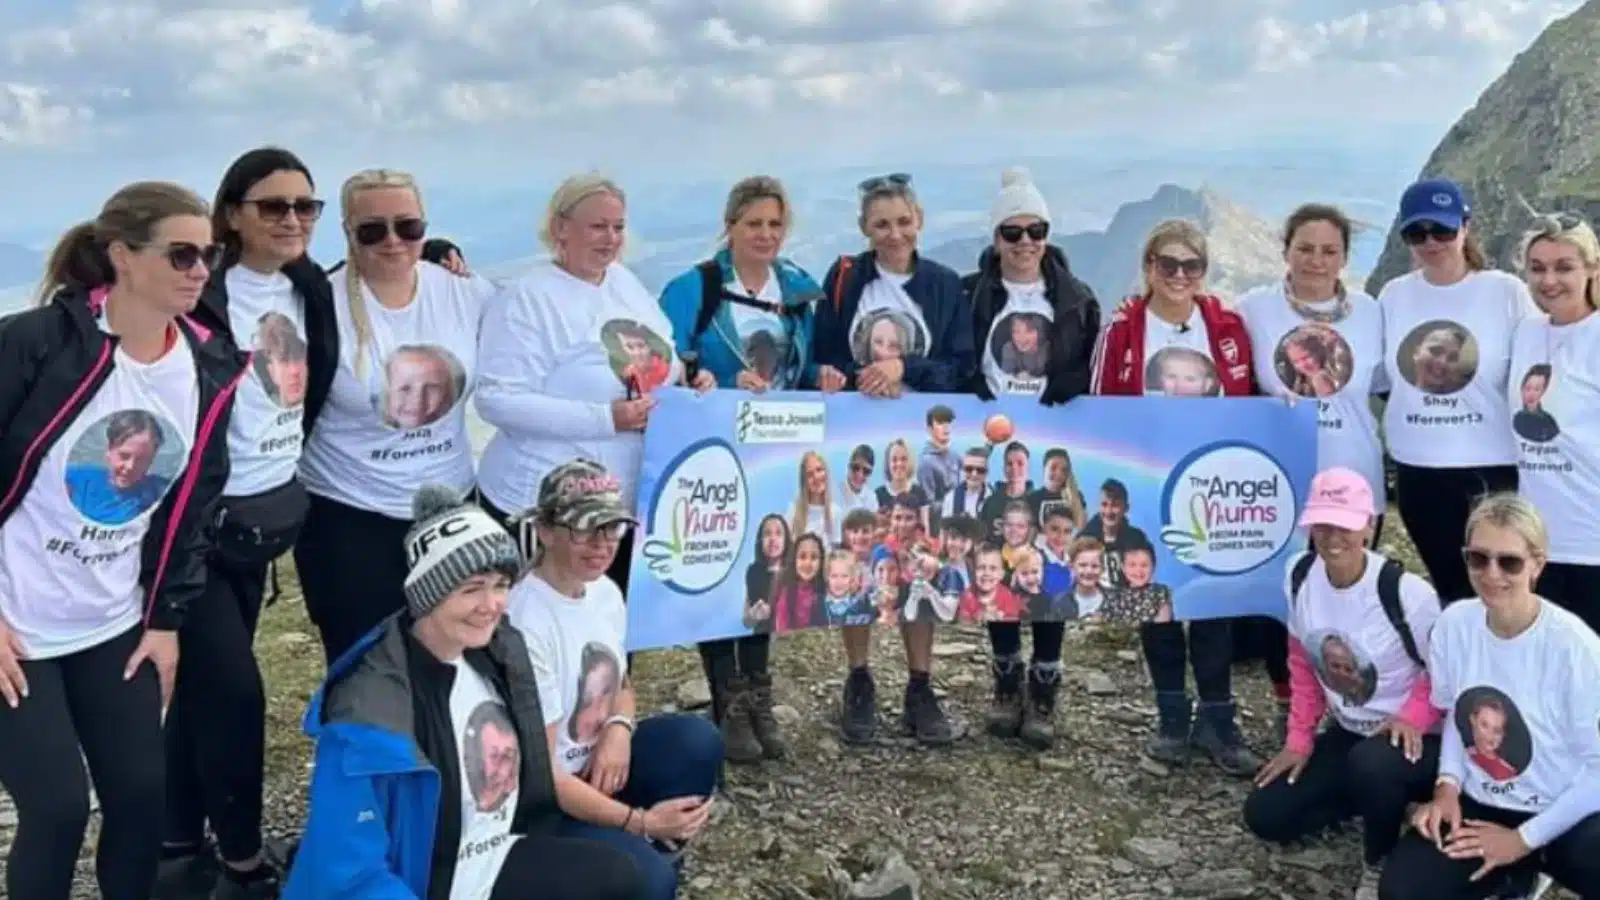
(962, 525)
(1541, 370)
(246, 172)
(859, 520)
(980, 452)
(941, 414)
(81, 260)
(435, 250)
(1057, 453)
(1115, 491)
(1015, 446)
(131, 422)
(1318, 212)
(863, 452)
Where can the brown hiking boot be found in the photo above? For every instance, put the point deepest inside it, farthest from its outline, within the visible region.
(764, 724)
(1038, 713)
(1004, 718)
(739, 741)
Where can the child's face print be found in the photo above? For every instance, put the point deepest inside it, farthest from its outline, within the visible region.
(1015, 528)
(886, 343)
(1488, 730)
(772, 539)
(939, 434)
(1184, 376)
(975, 470)
(128, 461)
(816, 477)
(1437, 357)
(1016, 468)
(1055, 473)
(859, 542)
(1057, 531)
(987, 571)
(594, 702)
(807, 560)
(1087, 567)
(419, 389)
(636, 348)
(290, 376)
(1138, 567)
(1024, 334)
(884, 521)
(1533, 388)
(860, 471)
(1111, 510)
(956, 547)
(1343, 671)
(1030, 577)
(886, 574)
(899, 463)
(841, 577)
(927, 564)
(904, 521)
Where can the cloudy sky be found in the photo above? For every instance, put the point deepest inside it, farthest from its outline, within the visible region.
(481, 92)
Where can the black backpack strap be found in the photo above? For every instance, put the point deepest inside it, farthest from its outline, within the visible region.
(1298, 573)
(710, 298)
(1389, 596)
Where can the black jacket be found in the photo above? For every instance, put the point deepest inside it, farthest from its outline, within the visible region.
(937, 290)
(55, 359)
(322, 327)
(1077, 323)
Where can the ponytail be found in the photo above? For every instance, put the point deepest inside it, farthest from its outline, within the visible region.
(79, 262)
(359, 320)
(1472, 252)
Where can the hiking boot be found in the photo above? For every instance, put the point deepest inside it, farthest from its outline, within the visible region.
(1004, 719)
(1367, 888)
(188, 877)
(764, 724)
(923, 719)
(1038, 726)
(266, 887)
(858, 713)
(1216, 734)
(1170, 743)
(739, 741)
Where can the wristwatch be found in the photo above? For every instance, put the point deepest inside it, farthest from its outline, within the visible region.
(624, 721)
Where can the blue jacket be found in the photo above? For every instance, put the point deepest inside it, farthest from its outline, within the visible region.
(378, 802)
(936, 289)
(683, 301)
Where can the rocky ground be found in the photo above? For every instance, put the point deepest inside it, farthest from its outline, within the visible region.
(983, 819)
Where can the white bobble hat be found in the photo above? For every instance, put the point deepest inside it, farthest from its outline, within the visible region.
(1018, 197)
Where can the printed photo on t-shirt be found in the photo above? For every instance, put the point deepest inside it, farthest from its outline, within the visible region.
(1314, 360)
(637, 353)
(1020, 344)
(599, 681)
(1492, 729)
(886, 334)
(280, 360)
(1438, 357)
(492, 755)
(122, 465)
(764, 350)
(1182, 372)
(1533, 422)
(421, 383)
(1342, 666)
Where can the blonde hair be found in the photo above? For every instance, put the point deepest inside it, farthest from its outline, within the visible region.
(749, 191)
(840, 554)
(889, 190)
(80, 260)
(354, 186)
(1514, 513)
(1171, 231)
(566, 197)
(802, 504)
(1575, 233)
(1026, 557)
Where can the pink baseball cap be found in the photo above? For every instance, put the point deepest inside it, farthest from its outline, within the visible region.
(1340, 498)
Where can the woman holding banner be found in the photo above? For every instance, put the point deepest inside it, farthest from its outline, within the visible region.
(746, 315)
(893, 320)
(1038, 324)
(1174, 339)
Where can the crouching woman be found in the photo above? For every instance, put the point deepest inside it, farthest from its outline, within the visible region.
(432, 776)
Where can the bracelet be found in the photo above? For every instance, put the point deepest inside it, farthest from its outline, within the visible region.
(629, 820)
(624, 721)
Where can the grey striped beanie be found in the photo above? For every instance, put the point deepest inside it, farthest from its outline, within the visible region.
(450, 542)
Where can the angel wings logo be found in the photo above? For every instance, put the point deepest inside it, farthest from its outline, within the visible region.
(1227, 508)
(697, 518)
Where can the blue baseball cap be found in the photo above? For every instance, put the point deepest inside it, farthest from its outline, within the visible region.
(1436, 200)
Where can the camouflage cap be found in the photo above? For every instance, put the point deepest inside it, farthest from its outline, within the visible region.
(581, 495)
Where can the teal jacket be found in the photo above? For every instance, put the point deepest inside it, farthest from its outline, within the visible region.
(702, 321)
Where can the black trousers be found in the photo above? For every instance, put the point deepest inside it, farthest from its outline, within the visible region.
(1208, 648)
(1434, 505)
(563, 868)
(80, 702)
(216, 728)
(1347, 776)
(352, 566)
(1574, 588)
(1418, 869)
(1005, 639)
(729, 658)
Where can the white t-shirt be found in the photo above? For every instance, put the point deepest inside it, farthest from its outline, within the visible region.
(491, 772)
(70, 552)
(1360, 660)
(1339, 364)
(556, 351)
(762, 341)
(1177, 358)
(1555, 421)
(1522, 719)
(888, 324)
(1089, 604)
(265, 432)
(403, 422)
(579, 660)
(850, 501)
(1448, 352)
(1016, 351)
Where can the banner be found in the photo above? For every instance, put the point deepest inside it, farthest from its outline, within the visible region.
(786, 511)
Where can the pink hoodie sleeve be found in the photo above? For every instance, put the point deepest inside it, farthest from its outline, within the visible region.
(1418, 710)
(1307, 703)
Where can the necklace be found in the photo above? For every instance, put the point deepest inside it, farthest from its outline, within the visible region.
(1341, 307)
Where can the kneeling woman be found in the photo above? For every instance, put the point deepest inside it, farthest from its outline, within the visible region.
(432, 779)
(644, 789)
(1519, 770)
(1347, 656)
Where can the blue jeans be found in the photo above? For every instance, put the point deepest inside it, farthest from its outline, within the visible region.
(673, 756)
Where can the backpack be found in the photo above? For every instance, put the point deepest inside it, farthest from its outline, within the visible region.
(1388, 597)
(712, 295)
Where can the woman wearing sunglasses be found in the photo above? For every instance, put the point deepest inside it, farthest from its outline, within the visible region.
(272, 299)
(1447, 327)
(1555, 401)
(1037, 325)
(893, 320)
(115, 413)
(1519, 772)
(1175, 339)
(395, 418)
(747, 316)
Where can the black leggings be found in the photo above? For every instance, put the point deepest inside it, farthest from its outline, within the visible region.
(80, 702)
(1434, 505)
(1418, 869)
(1574, 588)
(1208, 648)
(563, 868)
(216, 729)
(1005, 639)
(725, 659)
(352, 566)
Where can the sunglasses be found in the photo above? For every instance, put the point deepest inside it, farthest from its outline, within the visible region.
(408, 228)
(884, 182)
(1418, 234)
(279, 208)
(1480, 560)
(1170, 266)
(1011, 234)
(975, 470)
(185, 256)
(861, 469)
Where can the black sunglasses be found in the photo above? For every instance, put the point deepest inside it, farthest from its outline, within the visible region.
(883, 182)
(1011, 234)
(1480, 560)
(407, 228)
(1170, 266)
(184, 256)
(861, 468)
(278, 208)
(975, 470)
(1417, 234)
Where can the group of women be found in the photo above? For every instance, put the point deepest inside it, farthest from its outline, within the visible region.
(207, 399)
